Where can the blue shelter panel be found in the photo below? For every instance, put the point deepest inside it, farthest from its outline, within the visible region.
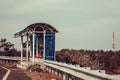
(49, 46)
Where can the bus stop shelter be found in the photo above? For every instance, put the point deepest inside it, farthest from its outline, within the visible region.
(39, 42)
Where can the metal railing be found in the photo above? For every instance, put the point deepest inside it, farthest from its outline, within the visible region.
(75, 72)
(11, 58)
(72, 72)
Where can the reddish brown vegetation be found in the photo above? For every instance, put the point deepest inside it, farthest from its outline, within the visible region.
(107, 60)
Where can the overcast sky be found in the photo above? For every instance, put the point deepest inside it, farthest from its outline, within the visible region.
(82, 24)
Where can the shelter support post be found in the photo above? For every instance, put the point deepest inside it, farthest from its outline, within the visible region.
(30, 48)
(27, 48)
(33, 47)
(21, 48)
(44, 45)
(37, 46)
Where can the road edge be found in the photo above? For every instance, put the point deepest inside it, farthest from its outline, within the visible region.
(7, 74)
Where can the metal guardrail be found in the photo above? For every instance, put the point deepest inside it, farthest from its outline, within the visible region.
(84, 73)
(11, 58)
(67, 71)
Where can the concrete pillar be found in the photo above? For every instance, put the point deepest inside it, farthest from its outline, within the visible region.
(44, 45)
(21, 48)
(33, 47)
(27, 48)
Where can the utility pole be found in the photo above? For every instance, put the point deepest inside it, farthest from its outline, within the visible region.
(113, 41)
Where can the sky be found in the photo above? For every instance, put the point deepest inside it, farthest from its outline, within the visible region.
(82, 24)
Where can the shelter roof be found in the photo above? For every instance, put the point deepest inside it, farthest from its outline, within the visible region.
(36, 28)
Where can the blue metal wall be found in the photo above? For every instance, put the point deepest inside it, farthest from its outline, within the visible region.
(49, 46)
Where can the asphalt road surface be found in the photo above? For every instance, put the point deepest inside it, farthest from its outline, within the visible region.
(2, 72)
(14, 75)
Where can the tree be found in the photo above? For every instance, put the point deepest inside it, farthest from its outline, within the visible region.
(6, 45)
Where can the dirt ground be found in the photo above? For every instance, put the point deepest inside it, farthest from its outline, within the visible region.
(43, 75)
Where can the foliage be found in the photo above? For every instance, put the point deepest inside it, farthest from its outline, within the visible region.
(107, 60)
(6, 45)
(35, 67)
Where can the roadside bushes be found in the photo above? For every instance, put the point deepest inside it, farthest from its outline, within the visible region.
(34, 68)
(107, 60)
(1, 53)
(12, 52)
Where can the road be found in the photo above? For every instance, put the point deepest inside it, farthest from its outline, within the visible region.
(14, 75)
(2, 72)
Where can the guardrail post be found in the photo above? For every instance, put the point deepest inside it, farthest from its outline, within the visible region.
(67, 77)
(60, 73)
(6, 61)
(64, 76)
(0, 61)
(52, 70)
(3, 61)
(56, 72)
(70, 78)
(49, 69)
(77, 78)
